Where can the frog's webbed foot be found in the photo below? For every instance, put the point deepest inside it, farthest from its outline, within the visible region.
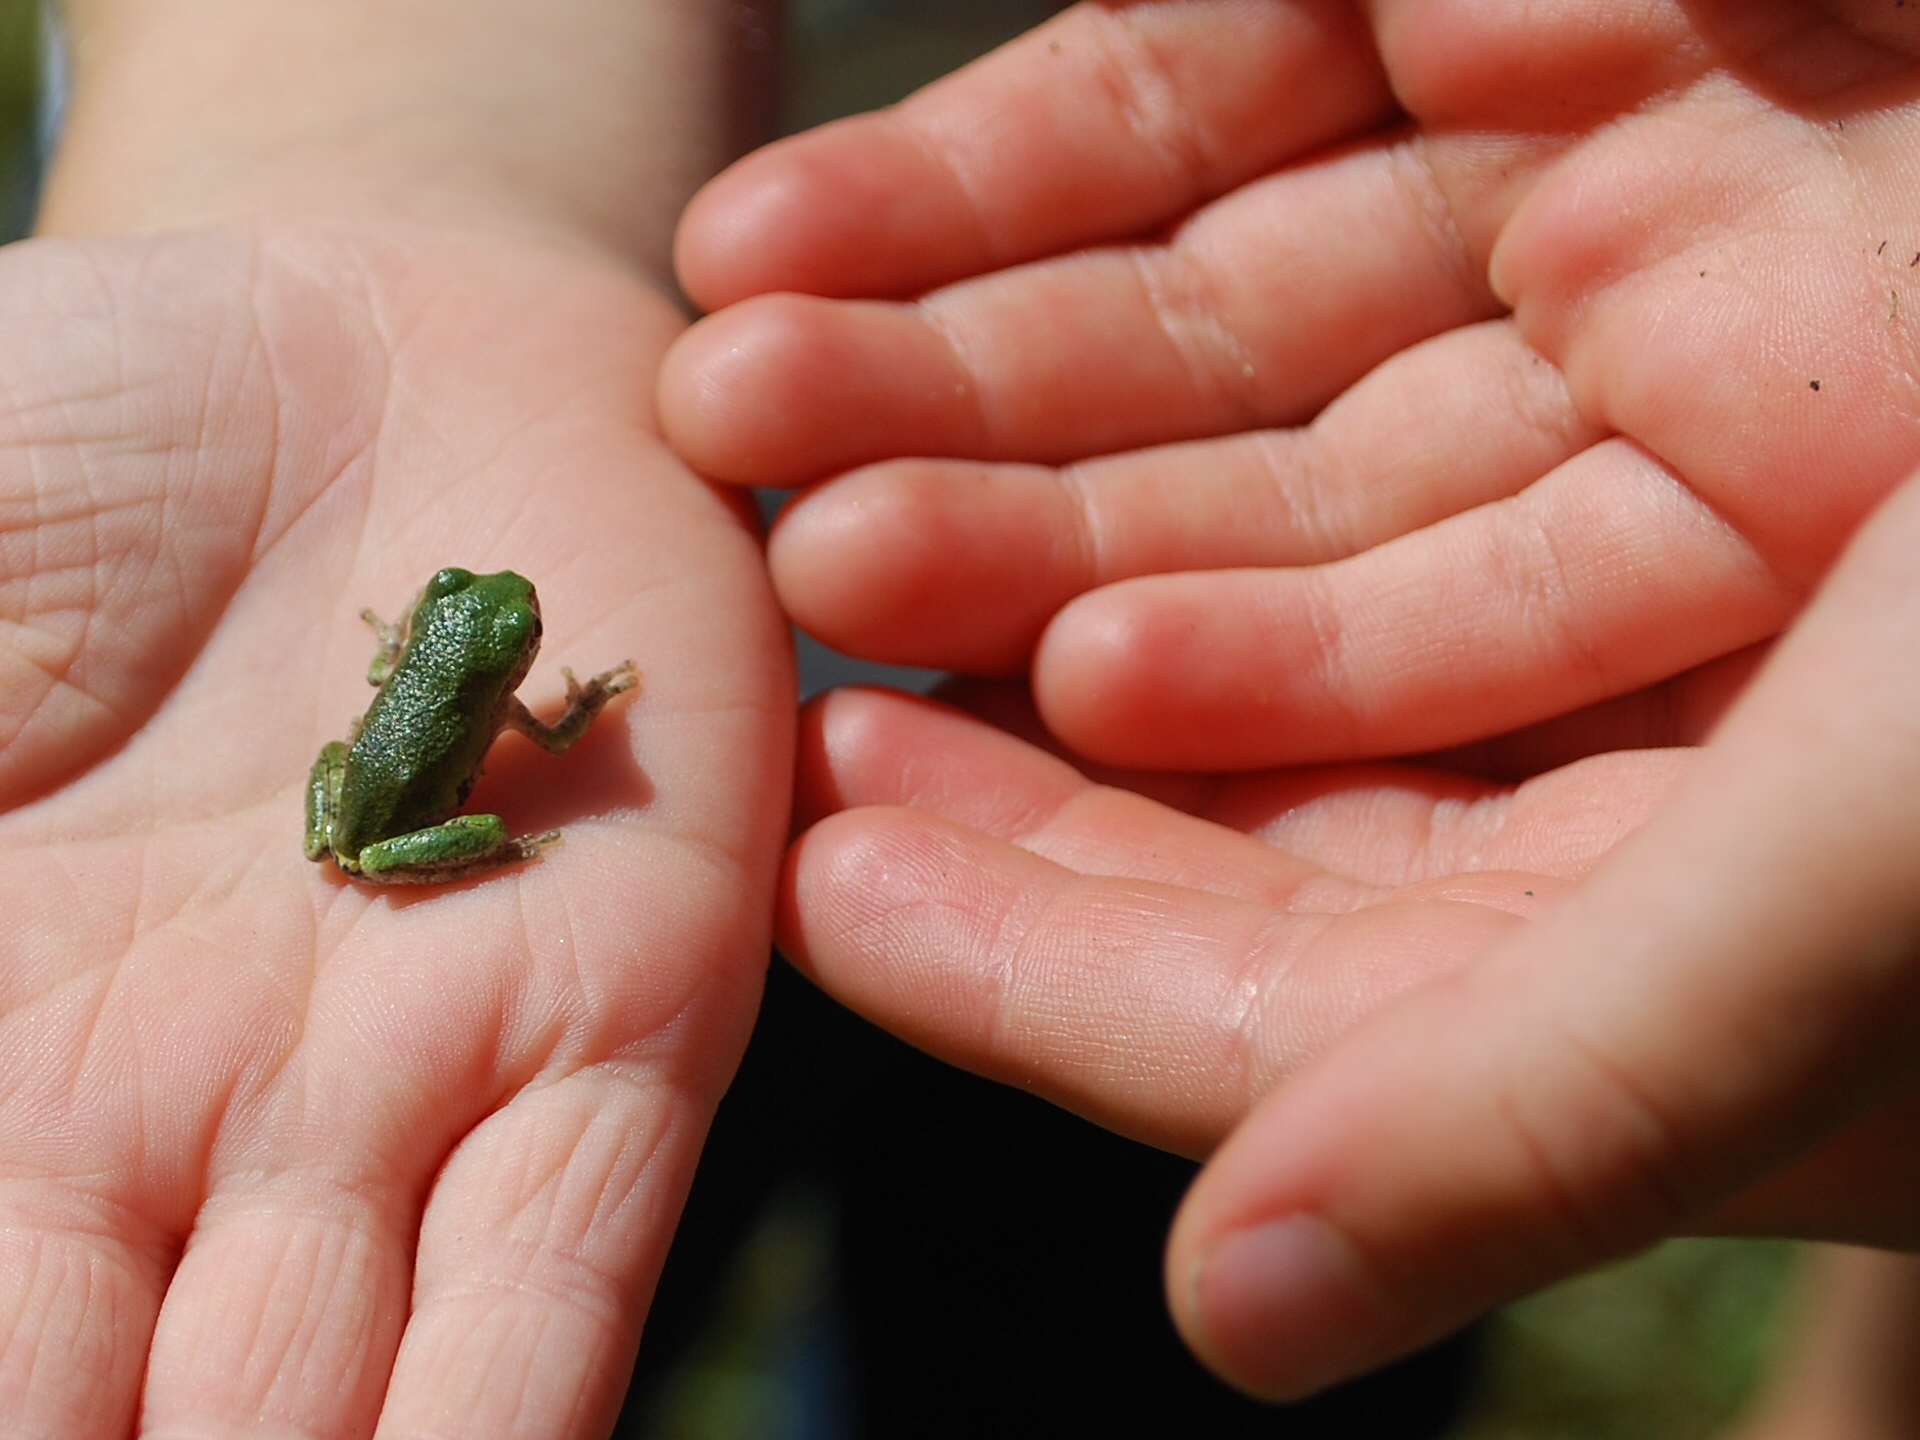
(583, 703)
(453, 850)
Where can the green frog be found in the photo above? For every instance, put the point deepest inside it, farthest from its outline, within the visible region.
(382, 803)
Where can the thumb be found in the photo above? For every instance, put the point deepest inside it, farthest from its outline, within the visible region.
(1730, 989)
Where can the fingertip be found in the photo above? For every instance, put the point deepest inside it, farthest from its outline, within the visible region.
(1280, 1308)
(726, 392)
(840, 731)
(721, 245)
(783, 389)
(1101, 666)
(851, 209)
(856, 889)
(944, 564)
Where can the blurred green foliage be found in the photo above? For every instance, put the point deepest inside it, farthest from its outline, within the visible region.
(19, 59)
(19, 93)
(1669, 1346)
(767, 1366)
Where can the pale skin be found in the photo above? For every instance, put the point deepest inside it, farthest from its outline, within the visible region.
(1565, 316)
(280, 1153)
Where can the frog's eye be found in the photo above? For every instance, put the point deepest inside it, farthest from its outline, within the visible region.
(515, 629)
(448, 582)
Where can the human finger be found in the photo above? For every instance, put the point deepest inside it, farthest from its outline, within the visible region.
(80, 1284)
(1026, 971)
(1108, 121)
(960, 566)
(1730, 991)
(1527, 608)
(1381, 823)
(1316, 835)
(286, 1307)
(1679, 712)
(537, 1255)
(1256, 311)
(986, 902)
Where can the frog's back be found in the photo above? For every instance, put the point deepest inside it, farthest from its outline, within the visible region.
(422, 740)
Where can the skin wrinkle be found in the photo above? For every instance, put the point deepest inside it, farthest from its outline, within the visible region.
(1591, 1246)
(120, 561)
(1096, 1068)
(1022, 917)
(14, 1000)
(60, 1349)
(590, 1289)
(336, 1248)
(943, 159)
(1341, 520)
(1410, 170)
(1261, 984)
(1668, 1208)
(931, 314)
(1326, 615)
(614, 1165)
(1186, 310)
(1146, 92)
(1086, 534)
(1544, 409)
(1535, 572)
(1428, 841)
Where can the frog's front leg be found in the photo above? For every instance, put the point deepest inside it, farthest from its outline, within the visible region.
(462, 846)
(583, 703)
(392, 639)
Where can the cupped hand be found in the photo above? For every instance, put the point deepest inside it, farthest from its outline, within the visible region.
(279, 1150)
(1490, 360)
(1423, 1106)
(1715, 1031)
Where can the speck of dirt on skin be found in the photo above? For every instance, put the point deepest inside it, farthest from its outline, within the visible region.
(1813, 384)
(1528, 892)
(1883, 248)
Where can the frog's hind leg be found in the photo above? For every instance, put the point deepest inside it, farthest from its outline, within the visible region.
(323, 798)
(462, 846)
(583, 703)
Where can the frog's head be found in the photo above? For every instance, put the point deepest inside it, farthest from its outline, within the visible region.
(497, 616)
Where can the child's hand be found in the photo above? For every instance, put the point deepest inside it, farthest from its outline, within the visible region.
(1195, 222)
(1711, 1031)
(279, 1151)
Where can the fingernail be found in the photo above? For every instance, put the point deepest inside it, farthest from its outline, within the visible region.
(1285, 1308)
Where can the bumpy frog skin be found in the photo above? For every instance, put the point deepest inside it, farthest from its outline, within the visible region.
(382, 803)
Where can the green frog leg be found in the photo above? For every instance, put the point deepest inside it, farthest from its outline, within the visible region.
(452, 850)
(583, 703)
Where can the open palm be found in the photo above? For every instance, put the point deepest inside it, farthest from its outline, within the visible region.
(1597, 324)
(277, 1149)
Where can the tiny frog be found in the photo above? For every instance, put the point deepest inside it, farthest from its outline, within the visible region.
(382, 804)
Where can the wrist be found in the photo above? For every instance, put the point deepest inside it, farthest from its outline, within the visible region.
(584, 119)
